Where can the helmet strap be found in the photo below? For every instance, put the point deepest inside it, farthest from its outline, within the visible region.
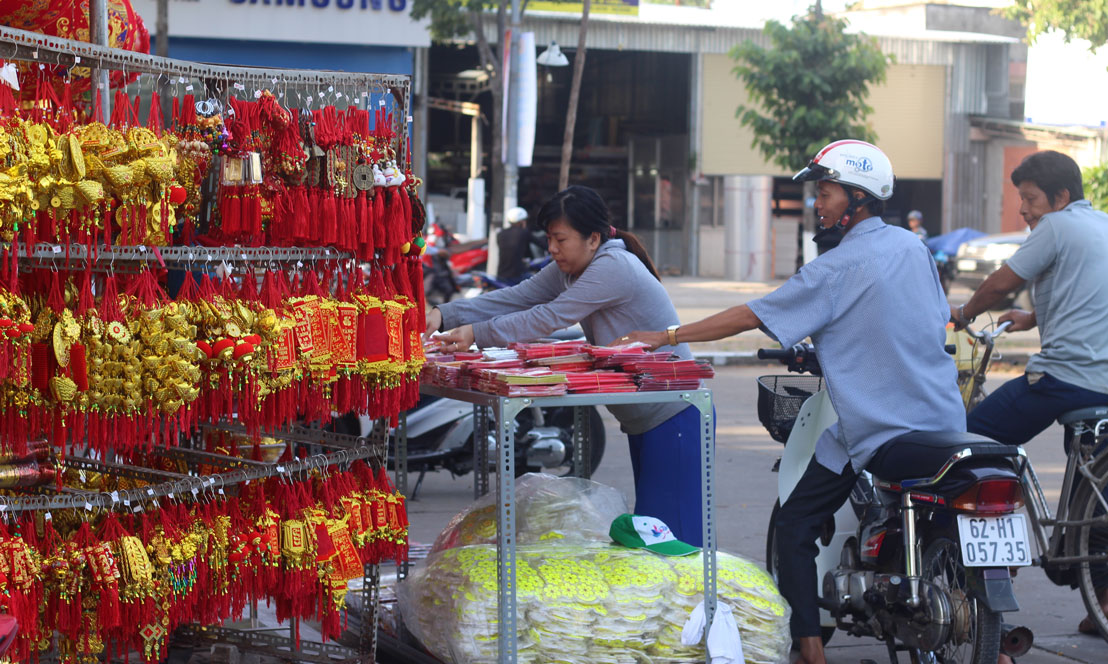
(852, 206)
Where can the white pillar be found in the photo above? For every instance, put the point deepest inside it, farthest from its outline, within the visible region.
(746, 211)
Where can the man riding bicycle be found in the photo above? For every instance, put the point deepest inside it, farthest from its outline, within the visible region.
(1066, 260)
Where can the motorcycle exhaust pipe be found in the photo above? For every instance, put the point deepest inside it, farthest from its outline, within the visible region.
(1016, 641)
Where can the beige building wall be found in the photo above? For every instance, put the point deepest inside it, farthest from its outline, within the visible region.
(908, 116)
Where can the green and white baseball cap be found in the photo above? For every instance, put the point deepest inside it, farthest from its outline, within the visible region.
(646, 532)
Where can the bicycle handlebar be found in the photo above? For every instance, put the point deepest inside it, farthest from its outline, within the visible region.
(986, 335)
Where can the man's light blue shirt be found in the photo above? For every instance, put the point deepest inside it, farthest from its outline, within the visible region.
(1066, 260)
(876, 312)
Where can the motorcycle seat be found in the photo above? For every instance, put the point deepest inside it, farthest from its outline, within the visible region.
(1093, 413)
(914, 458)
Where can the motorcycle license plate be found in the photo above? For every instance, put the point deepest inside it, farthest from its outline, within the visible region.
(994, 541)
(967, 265)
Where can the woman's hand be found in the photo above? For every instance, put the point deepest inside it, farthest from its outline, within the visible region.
(456, 340)
(434, 322)
(1021, 320)
(652, 339)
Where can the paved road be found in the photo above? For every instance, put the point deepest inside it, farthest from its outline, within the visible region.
(745, 454)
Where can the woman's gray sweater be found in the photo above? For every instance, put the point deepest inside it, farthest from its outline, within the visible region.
(613, 296)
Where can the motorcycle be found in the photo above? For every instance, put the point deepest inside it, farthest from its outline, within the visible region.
(439, 281)
(440, 436)
(919, 555)
(475, 282)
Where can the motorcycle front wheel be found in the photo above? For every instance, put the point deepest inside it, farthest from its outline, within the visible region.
(825, 633)
(975, 629)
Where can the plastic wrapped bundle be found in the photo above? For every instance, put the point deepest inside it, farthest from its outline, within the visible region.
(587, 603)
(550, 508)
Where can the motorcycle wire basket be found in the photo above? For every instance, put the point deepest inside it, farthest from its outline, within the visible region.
(780, 399)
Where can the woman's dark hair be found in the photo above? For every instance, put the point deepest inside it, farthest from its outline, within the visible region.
(586, 212)
(1052, 172)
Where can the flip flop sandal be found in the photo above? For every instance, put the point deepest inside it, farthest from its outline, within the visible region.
(1086, 626)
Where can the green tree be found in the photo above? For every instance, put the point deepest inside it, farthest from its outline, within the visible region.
(808, 88)
(1096, 186)
(1078, 19)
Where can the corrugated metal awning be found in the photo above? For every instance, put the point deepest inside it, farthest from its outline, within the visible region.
(667, 29)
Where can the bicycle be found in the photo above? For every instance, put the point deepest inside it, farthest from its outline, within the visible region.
(1073, 546)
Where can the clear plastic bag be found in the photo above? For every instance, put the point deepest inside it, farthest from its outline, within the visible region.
(587, 604)
(548, 508)
(581, 600)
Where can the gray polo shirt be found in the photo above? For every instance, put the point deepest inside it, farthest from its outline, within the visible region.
(876, 312)
(613, 296)
(1065, 259)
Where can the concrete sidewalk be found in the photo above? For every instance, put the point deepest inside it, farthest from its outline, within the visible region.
(697, 298)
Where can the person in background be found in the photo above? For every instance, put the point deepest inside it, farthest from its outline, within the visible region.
(1066, 260)
(915, 224)
(514, 243)
(602, 278)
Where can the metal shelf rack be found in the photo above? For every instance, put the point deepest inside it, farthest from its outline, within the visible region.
(218, 82)
(490, 411)
(46, 254)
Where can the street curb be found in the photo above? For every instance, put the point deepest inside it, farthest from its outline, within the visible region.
(744, 358)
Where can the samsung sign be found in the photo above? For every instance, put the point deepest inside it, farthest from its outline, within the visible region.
(394, 5)
(366, 22)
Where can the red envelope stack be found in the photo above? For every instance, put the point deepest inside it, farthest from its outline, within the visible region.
(565, 363)
(472, 371)
(593, 382)
(443, 374)
(653, 375)
(538, 351)
(519, 382)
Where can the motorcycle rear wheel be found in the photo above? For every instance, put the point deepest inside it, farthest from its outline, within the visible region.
(975, 632)
(825, 633)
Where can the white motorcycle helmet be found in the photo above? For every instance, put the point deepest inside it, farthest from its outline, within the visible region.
(516, 215)
(853, 164)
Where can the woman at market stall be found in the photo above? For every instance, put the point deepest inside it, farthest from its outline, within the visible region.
(602, 278)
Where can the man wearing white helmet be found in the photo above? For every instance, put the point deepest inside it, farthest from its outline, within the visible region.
(514, 243)
(876, 312)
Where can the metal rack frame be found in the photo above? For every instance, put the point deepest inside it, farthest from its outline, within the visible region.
(47, 254)
(503, 411)
(218, 81)
(186, 485)
(34, 47)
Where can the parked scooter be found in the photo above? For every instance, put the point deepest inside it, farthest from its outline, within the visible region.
(919, 556)
(440, 436)
(476, 282)
(439, 281)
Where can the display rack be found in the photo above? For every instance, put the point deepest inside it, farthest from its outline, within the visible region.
(169, 484)
(45, 254)
(217, 81)
(490, 410)
(35, 47)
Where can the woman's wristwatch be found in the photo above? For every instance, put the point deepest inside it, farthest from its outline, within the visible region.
(671, 331)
